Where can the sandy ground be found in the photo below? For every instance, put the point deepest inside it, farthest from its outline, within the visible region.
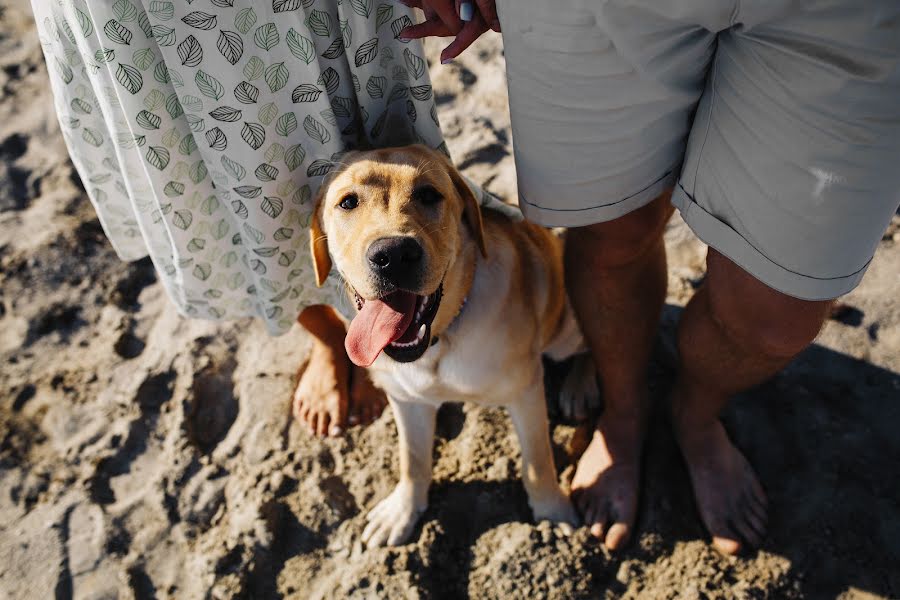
(144, 455)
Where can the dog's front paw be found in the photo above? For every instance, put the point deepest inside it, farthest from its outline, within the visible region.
(392, 520)
(557, 509)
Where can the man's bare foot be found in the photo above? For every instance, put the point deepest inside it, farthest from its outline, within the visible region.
(321, 399)
(367, 402)
(607, 479)
(731, 501)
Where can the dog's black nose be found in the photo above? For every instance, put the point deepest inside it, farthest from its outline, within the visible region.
(396, 259)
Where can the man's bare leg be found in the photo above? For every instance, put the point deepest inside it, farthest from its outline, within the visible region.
(616, 279)
(326, 398)
(734, 334)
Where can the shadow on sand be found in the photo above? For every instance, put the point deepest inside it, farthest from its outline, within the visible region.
(823, 436)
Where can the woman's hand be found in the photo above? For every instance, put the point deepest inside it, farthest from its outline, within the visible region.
(443, 19)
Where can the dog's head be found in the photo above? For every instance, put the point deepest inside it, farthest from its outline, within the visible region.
(394, 221)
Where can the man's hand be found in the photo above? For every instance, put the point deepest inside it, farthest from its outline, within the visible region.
(443, 19)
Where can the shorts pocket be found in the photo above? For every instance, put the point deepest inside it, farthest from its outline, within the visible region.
(567, 26)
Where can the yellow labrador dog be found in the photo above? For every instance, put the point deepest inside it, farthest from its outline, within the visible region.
(453, 304)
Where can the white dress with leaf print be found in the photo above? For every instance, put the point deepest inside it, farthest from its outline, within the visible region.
(202, 129)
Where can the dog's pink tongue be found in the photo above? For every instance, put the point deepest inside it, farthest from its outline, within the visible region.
(379, 323)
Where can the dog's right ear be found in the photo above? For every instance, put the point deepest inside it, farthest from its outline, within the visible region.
(318, 243)
(471, 207)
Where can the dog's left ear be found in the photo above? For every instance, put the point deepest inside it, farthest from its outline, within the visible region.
(471, 208)
(318, 244)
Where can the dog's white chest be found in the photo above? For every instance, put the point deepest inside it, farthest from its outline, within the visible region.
(469, 364)
(433, 379)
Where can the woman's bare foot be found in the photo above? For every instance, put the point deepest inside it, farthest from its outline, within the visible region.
(321, 400)
(333, 393)
(607, 479)
(730, 500)
(367, 402)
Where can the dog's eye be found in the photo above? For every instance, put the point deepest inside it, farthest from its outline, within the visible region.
(349, 202)
(427, 195)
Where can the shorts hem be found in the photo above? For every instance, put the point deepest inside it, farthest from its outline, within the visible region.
(736, 248)
(581, 217)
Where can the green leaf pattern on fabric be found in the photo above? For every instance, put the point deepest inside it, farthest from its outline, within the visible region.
(205, 129)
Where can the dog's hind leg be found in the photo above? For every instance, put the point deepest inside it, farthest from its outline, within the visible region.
(529, 417)
(578, 394)
(393, 519)
(579, 391)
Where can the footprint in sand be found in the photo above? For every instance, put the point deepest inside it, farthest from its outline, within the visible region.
(213, 406)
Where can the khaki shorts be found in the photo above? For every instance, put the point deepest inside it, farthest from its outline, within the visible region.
(777, 122)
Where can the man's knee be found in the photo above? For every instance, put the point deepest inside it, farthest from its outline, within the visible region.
(759, 318)
(622, 241)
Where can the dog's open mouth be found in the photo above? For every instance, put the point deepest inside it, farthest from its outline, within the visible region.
(399, 324)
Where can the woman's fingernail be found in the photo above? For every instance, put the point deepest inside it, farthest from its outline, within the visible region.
(335, 431)
(466, 11)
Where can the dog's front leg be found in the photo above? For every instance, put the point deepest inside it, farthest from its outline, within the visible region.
(529, 416)
(393, 519)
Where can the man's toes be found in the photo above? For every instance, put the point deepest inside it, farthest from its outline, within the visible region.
(595, 517)
(618, 535)
(757, 525)
(726, 544)
(742, 526)
(758, 494)
(755, 509)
